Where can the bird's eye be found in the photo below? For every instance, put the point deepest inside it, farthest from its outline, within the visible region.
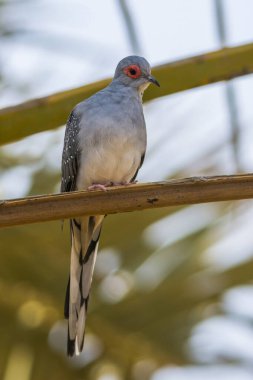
(132, 71)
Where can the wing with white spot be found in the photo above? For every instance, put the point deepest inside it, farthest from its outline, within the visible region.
(70, 154)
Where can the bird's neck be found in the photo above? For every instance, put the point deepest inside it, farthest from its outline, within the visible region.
(125, 90)
(142, 88)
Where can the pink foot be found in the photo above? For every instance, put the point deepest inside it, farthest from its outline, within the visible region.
(97, 186)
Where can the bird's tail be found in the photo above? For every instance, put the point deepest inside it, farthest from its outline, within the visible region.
(85, 234)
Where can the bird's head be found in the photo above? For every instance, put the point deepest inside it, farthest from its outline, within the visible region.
(135, 71)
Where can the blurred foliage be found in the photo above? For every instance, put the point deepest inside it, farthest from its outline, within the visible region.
(50, 112)
(146, 324)
(146, 297)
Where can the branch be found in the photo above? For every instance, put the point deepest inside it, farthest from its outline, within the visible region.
(126, 198)
(52, 111)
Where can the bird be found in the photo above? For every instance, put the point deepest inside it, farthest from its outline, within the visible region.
(104, 145)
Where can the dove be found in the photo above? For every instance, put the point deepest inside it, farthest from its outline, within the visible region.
(104, 145)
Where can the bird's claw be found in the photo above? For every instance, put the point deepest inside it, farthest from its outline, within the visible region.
(99, 186)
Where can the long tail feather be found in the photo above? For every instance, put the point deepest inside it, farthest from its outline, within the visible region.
(85, 233)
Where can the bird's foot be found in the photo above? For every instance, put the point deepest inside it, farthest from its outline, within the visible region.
(99, 186)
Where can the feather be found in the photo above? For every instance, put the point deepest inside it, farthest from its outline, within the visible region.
(85, 233)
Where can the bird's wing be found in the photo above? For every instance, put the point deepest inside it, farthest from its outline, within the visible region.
(71, 154)
(85, 234)
(141, 162)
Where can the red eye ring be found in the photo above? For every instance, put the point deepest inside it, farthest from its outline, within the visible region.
(132, 71)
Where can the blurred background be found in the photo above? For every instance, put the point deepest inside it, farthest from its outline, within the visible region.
(172, 295)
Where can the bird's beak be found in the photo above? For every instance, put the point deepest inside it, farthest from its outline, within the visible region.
(152, 79)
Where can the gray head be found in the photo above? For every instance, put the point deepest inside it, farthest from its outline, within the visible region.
(134, 71)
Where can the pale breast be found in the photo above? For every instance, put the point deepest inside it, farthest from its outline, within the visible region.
(112, 161)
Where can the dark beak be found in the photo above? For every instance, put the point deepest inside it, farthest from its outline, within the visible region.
(152, 79)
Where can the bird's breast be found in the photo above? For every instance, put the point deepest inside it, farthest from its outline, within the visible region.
(113, 158)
